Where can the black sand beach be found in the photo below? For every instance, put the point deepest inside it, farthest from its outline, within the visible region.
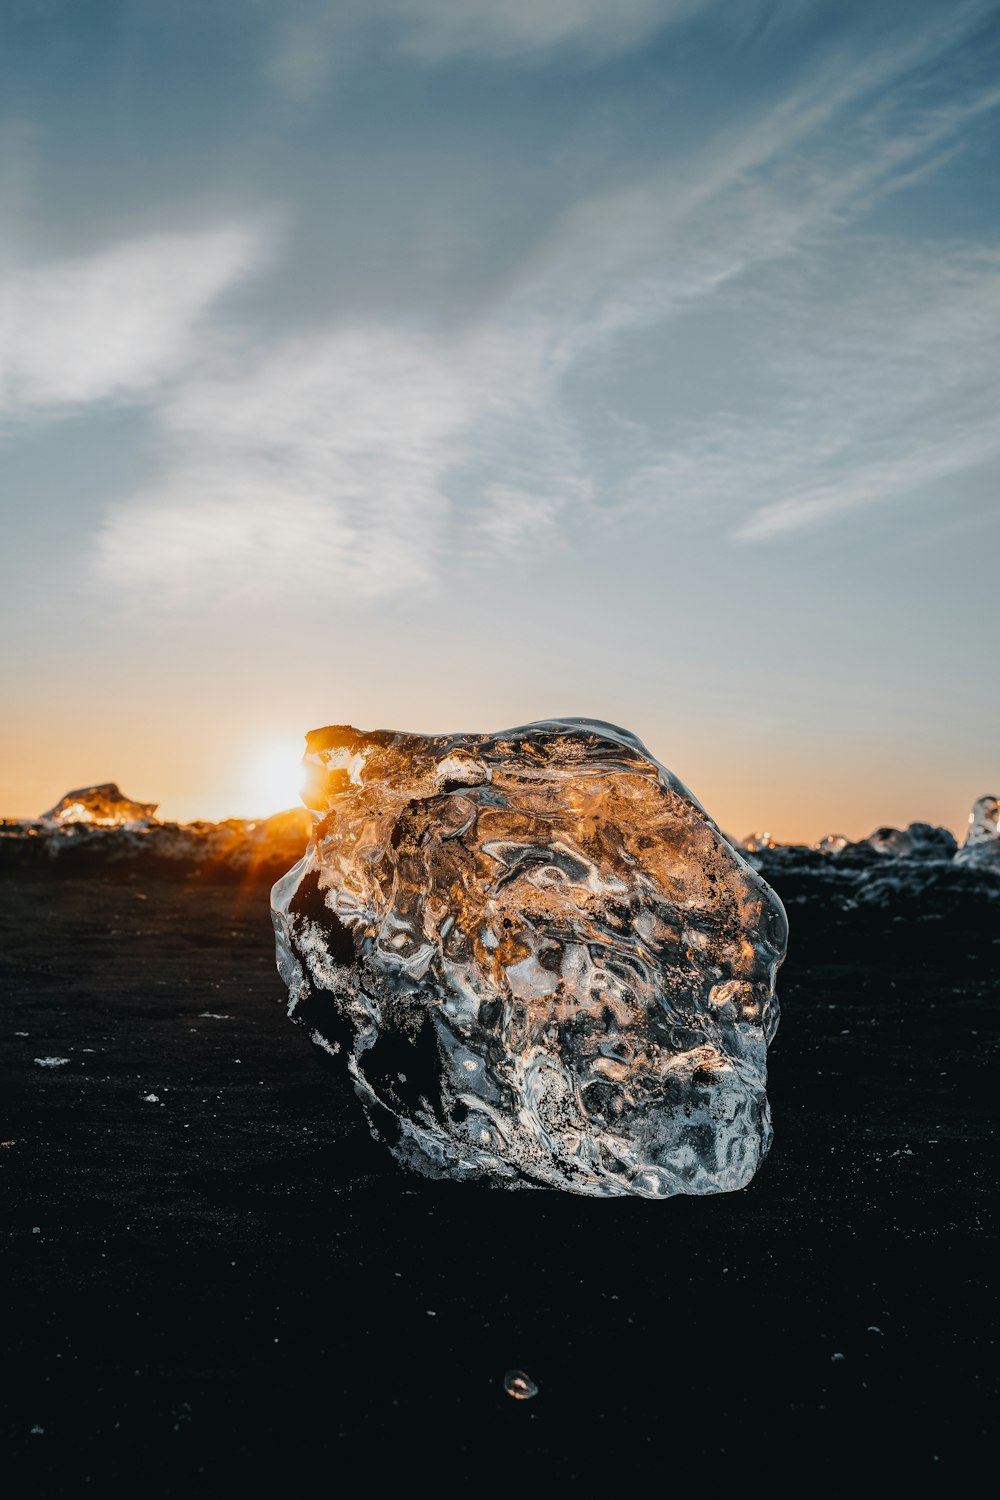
(234, 1288)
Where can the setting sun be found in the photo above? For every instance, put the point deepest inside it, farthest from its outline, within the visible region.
(273, 779)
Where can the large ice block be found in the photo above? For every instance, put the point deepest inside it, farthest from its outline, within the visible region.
(540, 959)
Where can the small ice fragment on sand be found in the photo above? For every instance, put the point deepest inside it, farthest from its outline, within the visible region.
(519, 1385)
(150, 1099)
(214, 1015)
(51, 1062)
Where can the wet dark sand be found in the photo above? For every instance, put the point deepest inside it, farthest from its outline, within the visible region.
(234, 1288)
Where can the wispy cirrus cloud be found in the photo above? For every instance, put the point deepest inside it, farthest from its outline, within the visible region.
(315, 36)
(785, 181)
(356, 457)
(434, 30)
(878, 385)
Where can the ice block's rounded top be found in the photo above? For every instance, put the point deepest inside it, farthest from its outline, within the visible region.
(340, 756)
(540, 955)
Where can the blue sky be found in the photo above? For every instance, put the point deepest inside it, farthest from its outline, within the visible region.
(441, 363)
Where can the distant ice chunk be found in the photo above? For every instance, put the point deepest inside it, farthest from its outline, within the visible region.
(539, 957)
(982, 842)
(918, 841)
(984, 822)
(100, 824)
(105, 805)
(755, 842)
(832, 843)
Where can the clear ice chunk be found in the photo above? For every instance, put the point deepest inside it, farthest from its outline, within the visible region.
(918, 841)
(106, 806)
(832, 843)
(541, 960)
(99, 821)
(982, 842)
(754, 843)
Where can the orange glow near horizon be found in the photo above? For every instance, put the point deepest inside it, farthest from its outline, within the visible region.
(272, 780)
(208, 764)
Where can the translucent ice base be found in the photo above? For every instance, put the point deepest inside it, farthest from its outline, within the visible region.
(539, 957)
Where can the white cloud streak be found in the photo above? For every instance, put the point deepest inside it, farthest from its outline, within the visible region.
(340, 439)
(317, 35)
(434, 30)
(116, 323)
(357, 436)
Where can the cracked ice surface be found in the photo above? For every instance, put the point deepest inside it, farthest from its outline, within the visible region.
(539, 956)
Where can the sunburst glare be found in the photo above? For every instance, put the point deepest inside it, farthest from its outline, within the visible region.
(273, 777)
